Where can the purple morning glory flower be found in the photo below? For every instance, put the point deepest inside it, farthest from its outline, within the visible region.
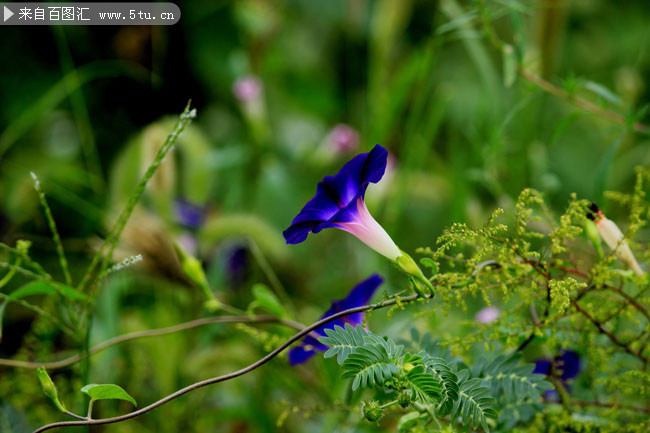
(236, 265)
(189, 214)
(359, 295)
(339, 203)
(566, 366)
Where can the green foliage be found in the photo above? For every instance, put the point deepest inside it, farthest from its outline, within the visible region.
(560, 291)
(369, 364)
(476, 101)
(107, 392)
(511, 381)
(475, 404)
(343, 341)
(436, 388)
(423, 384)
(447, 379)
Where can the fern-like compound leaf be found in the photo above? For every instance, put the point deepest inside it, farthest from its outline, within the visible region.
(369, 365)
(510, 380)
(475, 403)
(448, 380)
(343, 341)
(423, 385)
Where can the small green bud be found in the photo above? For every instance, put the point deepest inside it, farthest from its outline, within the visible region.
(23, 246)
(212, 305)
(372, 411)
(591, 231)
(49, 388)
(404, 399)
(194, 270)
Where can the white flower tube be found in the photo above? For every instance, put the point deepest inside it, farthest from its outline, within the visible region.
(613, 237)
(371, 233)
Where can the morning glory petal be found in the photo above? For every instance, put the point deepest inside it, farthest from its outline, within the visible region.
(358, 296)
(338, 203)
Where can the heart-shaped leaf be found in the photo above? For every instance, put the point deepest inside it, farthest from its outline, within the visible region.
(107, 392)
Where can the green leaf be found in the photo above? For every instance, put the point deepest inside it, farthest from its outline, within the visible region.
(603, 92)
(448, 381)
(49, 388)
(423, 385)
(474, 404)
(40, 287)
(343, 341)
(267, 299)
(429, 263)
(107, 392)
(511, 381)
(369, 365)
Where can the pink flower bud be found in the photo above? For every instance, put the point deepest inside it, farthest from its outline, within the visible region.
(343, 138)
(487, 315)
(247, 88)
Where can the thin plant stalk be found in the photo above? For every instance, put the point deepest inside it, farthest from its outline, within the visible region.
(55, 233)
(111, 240)
(54, 365)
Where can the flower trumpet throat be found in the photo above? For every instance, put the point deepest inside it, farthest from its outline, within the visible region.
(614, 238)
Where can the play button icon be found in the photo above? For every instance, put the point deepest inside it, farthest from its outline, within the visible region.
(7, 14)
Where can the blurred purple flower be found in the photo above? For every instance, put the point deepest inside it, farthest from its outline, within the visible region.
(487, 315)
(359, 295)
(339, 203)
(236, 265)
(189, 214)
(565, 366)
(343, 138)
(247, 88)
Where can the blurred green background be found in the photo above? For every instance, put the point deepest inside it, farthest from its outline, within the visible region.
(85, 108)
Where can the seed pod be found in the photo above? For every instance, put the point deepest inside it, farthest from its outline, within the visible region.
(372, 412)
(404, 399)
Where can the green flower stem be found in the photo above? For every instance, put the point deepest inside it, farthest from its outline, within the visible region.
(389, 404)
(12, 271)
(21, 250)
(562, 392)
(90, 409)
